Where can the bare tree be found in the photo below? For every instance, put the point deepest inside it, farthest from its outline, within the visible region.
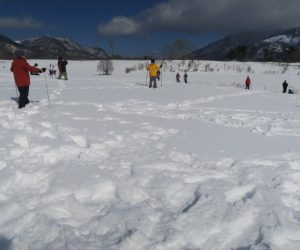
(105, 66)
(178, 50)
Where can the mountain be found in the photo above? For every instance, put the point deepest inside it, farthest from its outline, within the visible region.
(48, 47)
(284, 46)
(276, 45)
(219, 50)
(8, 46)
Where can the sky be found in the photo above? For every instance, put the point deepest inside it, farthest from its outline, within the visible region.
(143, 27)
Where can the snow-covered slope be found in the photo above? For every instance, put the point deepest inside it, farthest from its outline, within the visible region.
(50, 47)
(286, 39)
(284, 46)
(8, 46)
(219, 50)
(276, 45)
(112, 164)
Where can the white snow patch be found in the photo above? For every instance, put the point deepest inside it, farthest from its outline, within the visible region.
(113, 164)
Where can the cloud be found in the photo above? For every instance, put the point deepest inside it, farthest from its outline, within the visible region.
(197, 16)
(119, 26)
(16, 23)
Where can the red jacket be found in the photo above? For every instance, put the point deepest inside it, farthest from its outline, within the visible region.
(21, 70)
(248, 81)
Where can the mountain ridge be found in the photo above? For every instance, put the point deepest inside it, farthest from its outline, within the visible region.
(275, 45)
(49, 47)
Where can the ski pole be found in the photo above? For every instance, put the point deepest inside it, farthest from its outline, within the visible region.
(146, 78)
(47, 90)
(161, 74)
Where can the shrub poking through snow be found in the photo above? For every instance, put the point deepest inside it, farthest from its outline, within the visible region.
(105, 67)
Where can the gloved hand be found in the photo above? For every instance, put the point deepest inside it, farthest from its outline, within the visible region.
(43, 69)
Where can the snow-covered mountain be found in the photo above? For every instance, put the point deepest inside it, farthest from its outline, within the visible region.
(284, 46)
(277, 45)
(219, 49)
(8, 46)
(50, 47)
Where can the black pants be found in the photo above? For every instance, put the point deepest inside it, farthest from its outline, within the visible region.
(284, 89)
(247, 86)
(23, 98)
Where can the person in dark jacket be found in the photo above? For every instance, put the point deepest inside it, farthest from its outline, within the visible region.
(177, 77)
(284, 86)
(185, 77)
(62, 68)
(21, 69)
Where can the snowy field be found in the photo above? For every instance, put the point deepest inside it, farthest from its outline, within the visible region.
(112, 164)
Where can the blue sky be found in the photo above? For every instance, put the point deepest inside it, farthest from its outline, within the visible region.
(141, 27)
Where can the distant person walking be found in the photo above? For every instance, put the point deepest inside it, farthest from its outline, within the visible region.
(284, 86)
(21, 69)
(185, 77)
(153, 69)
(52, 71)
(248, 82)
(62, 68)
(177, 77)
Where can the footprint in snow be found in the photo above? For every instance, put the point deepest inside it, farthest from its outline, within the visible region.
(46, 124)
(241, 193)
(22, 141)
(81, 141)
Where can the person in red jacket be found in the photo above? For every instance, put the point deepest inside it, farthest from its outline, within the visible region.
(21, 69)
(248, 82)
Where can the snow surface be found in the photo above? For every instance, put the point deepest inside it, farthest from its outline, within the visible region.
(112, 164)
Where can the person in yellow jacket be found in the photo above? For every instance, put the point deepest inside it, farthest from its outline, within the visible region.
(153, 69)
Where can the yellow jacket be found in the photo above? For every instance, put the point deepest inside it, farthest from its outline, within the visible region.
(153, 68)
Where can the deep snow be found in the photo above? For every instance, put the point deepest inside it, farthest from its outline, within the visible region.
(112, 164)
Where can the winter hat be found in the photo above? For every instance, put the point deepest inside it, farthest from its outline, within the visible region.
(19, 53)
